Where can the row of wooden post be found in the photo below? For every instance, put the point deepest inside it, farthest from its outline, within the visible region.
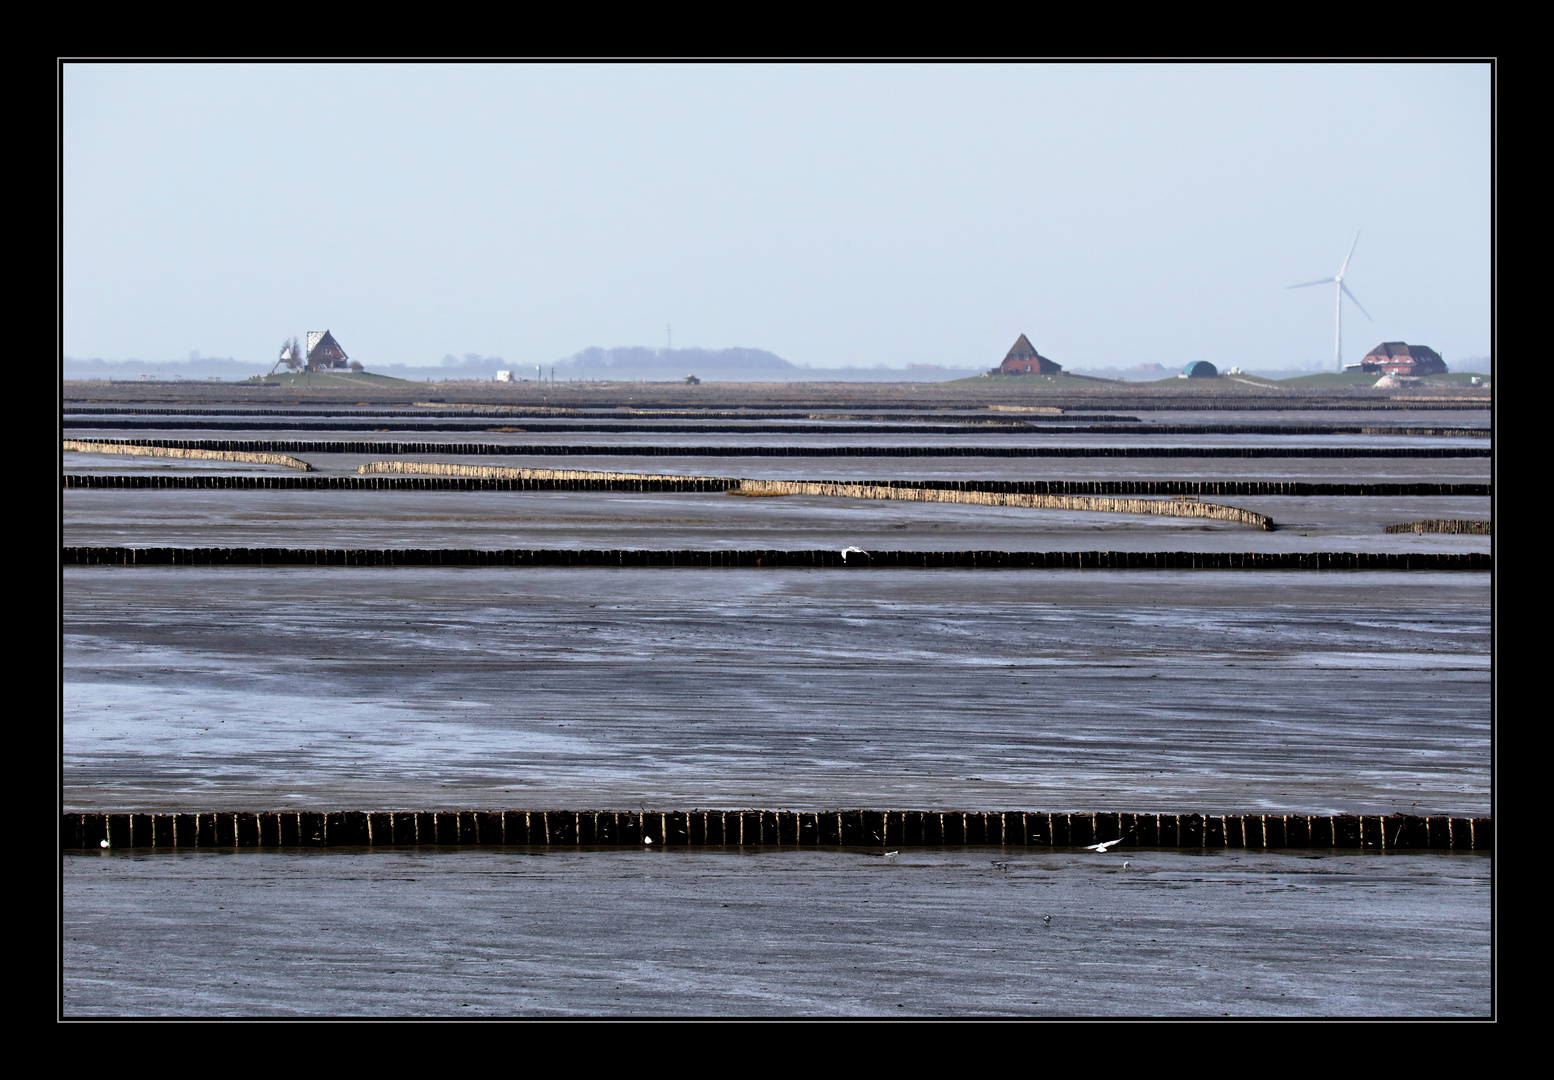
(779, 828)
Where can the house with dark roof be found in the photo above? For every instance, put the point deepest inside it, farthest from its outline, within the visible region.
(324, 352)
(1023, 359)
(1400, 358)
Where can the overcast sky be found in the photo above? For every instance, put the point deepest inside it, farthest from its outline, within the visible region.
(836, 216)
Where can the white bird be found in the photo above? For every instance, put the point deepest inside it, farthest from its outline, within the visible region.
(102, 843)
(1046, 920)
(1125, 865)
(1103, 845)
(853, 550)
(891, 854)
(647, 839)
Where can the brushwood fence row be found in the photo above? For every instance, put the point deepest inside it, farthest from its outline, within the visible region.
(827, 559)
(502, 472)
(1159, 507)
(248, 456)
(1436, 525)
(1163, 507)
(777, 828)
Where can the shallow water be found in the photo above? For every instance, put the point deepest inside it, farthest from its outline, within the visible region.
(263, 689)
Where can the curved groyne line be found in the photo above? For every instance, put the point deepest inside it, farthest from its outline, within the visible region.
(771, 828)
(1177, 507)
(343, 446)
(654, 482)
(852, 559)
(250, 456)
(1439, 525)
(1164, 507)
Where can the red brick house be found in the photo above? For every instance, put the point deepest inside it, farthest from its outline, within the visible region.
(1023, 359)
(324, 352)
(1399, 358)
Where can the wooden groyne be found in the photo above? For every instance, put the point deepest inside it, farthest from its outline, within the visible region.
(1164, 507)
(771, 396)
(669, 482)
(250, 456)
(885, 426)
(1439, 525)
(1183, 508)
(511, 412)
(772, 828)
(351, 446)
(776, 559)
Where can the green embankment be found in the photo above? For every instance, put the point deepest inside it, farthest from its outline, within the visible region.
(1225, 382)
(1361, 378)
(330, 379)
(1203, 381)
(1332, 378)
(1062, 378)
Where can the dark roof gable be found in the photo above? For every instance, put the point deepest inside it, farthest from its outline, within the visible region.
(1392, 350)
(322, 342)
(1022, 350)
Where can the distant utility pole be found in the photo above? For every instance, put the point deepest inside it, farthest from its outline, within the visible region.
(539, 373)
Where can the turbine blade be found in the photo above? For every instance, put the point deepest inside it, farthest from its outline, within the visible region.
(1357, 304)
(1324, 281)
(1348, 257)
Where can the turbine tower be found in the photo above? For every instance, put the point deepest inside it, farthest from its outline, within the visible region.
(1338, 296)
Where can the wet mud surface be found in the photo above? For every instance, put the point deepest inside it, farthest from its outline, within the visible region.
(1172, 692)
(606, 520)
(1175, 692)
(771, 932)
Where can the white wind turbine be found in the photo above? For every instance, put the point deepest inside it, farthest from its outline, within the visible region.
(1338, 295)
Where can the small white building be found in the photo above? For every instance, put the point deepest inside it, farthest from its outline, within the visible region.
(504, 376)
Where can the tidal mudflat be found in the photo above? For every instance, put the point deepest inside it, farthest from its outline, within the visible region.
(1177, 692)
(206, 689)
(767, 932)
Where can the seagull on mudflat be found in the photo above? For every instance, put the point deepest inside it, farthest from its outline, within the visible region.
(1103, 845)
(1046, 920)
(1000, 865)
